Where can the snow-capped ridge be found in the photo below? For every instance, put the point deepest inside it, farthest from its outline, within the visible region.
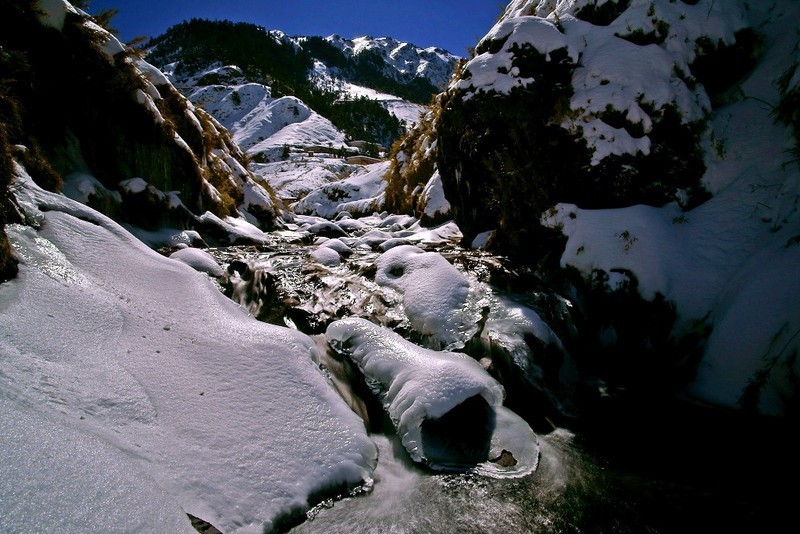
(432, 63)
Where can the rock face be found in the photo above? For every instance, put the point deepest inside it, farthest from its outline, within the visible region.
(601, 104)
(81, 101)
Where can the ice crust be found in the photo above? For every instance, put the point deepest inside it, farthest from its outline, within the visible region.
(415, 383)
(434, 292)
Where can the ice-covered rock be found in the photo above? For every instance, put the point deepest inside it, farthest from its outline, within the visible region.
(434, 293)
(445, 406)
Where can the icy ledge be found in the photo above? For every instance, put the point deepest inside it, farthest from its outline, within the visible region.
(446, 408)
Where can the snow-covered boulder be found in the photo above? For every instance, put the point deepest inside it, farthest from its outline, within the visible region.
(446, 408)
(599, 103)
(199, 260)
(434, 294)
(326, 256)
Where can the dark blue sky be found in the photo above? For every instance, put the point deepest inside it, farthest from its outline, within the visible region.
(451, 24)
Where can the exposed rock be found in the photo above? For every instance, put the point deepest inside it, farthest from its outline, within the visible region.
(554, 108)
(80, 100)
(506, 459)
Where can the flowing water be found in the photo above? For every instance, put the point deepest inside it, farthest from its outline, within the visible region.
(626, 465)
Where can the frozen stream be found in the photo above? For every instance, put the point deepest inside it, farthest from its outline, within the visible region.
(625, 465)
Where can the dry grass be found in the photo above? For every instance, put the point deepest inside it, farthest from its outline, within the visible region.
(415, 169)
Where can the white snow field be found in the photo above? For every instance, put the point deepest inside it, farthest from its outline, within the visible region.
(160, 396)
(360, 193)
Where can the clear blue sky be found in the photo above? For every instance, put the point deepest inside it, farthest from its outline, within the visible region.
(451, 24)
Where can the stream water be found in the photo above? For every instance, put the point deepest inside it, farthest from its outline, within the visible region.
(627, 464)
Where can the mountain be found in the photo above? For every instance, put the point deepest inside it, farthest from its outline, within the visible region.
(641, 157)
(364, 87)
(398, 60)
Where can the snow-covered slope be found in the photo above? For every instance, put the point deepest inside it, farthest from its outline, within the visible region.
(123, 139)
(332, 75)
(433, 64)
(261, 124)
(165, 394)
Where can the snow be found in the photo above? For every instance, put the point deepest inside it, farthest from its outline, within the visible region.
(759, 329)
(159, 391)
(482, 239)
(147, 101)
(153, 75)
(268, 120)
(610, 72)
(260, 123)
(509, 325)
(338, 246)
(607, 140)
(199, 260)
(433, 64)
(57, 476)
(373, 239)
(133, 185)
(52, 13)
(541, 33)
(237, 229)
(299, 175)
(81, 186)
(434, 293)
(404, 110)
(316, 130)
(436, 205)
(111, 46)
(617, 73)
(415, 383)
(445, 233)
(326, 256)
(729, 263)
(486, 69)
(360, 192)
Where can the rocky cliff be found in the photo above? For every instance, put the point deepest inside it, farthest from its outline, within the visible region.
(639, 156)
(93, 117)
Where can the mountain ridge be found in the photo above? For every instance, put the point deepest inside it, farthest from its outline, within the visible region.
(324, 72)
